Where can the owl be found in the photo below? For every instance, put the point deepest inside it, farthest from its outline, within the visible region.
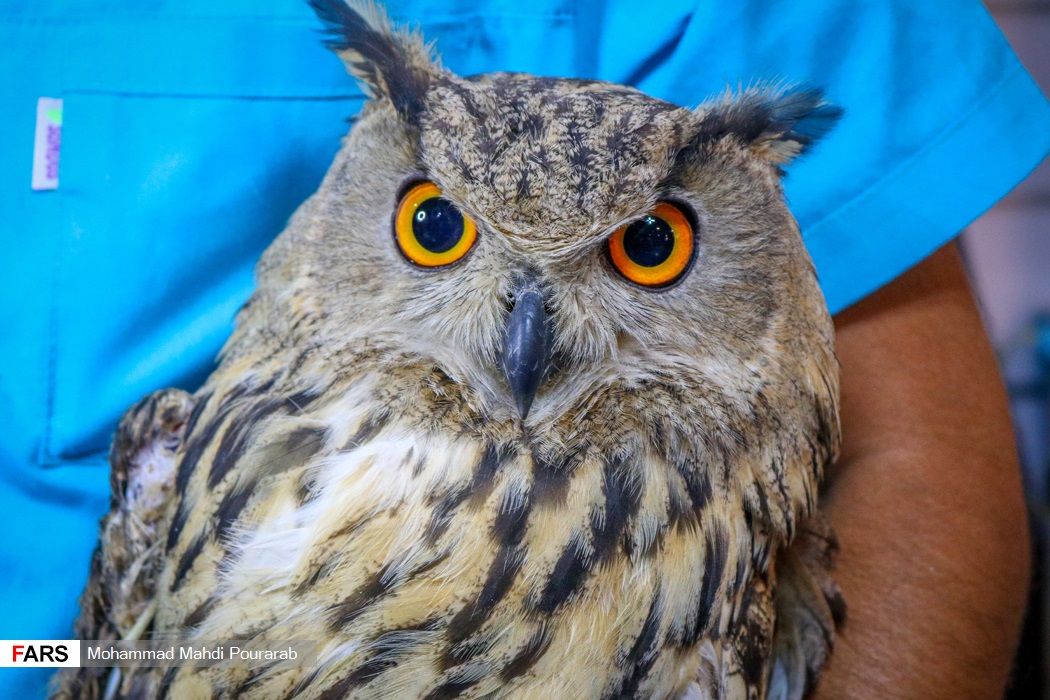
(533, 400)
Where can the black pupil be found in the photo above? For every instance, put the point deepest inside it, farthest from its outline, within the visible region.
(437, 225)
(648, 242)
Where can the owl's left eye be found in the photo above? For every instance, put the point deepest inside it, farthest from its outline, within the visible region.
(654, 251)
(430, 230)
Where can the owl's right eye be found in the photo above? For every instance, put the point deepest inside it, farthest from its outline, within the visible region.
(656, 250)
(430, 230)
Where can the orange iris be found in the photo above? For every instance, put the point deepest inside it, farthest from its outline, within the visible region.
(430, 230)
(656, 250)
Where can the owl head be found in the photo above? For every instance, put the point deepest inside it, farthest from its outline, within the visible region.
(555, 251)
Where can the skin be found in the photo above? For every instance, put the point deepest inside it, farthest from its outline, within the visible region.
(926, 498)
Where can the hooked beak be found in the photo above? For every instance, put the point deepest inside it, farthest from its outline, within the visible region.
(527, 347)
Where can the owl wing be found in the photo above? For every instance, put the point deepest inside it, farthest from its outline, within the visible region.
(809, 609)
(116, 603)
(789, 614)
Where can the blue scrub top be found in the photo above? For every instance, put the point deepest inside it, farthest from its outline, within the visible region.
(192, 130)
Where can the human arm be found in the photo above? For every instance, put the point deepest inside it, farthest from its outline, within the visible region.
(926, 498)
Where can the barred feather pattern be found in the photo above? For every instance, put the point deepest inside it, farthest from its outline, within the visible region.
(355, 472)
(443, 556)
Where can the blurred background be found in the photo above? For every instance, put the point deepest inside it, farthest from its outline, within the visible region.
(1008, 253)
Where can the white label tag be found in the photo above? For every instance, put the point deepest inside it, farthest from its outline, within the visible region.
(48, 143)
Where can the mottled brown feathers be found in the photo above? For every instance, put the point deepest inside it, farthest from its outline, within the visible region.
(356, 472)
(116, 603)
(393, 65)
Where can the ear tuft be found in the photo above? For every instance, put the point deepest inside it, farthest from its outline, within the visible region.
(393, 64)
(774, 122)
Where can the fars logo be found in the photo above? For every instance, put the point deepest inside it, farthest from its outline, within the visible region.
(18, 653)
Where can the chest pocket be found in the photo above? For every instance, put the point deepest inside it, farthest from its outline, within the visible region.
(166, 203)
(182, 158)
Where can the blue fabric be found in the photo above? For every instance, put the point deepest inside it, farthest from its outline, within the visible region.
(193, 129)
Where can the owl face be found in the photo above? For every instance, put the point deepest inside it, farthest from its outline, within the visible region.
(548, 244)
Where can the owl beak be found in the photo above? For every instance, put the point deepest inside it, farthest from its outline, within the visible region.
(527, 343)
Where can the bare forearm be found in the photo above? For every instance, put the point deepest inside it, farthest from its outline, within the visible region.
(927, 501)
(934, 598)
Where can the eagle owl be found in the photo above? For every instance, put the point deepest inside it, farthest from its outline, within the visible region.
(532, 401)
